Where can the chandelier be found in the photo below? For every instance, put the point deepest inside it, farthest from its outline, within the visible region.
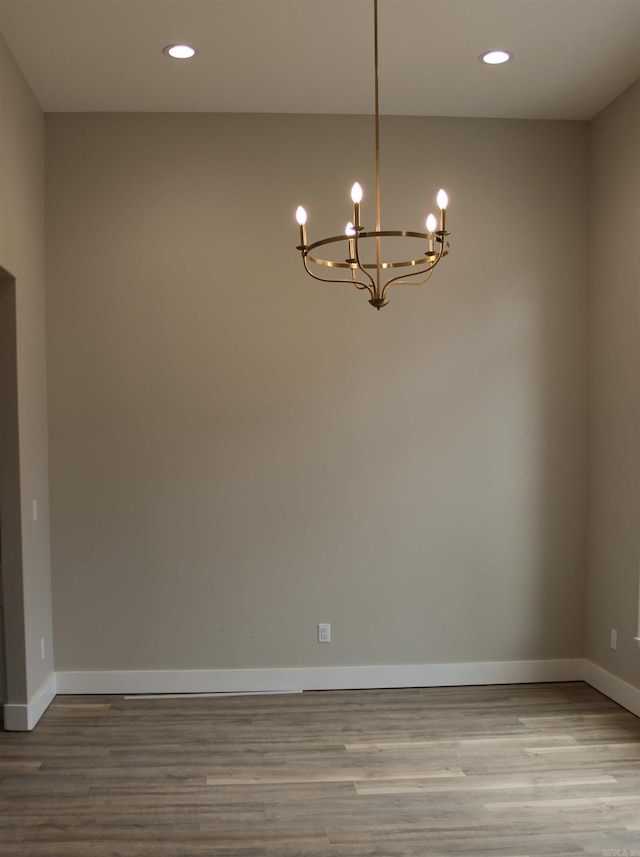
(364, 272)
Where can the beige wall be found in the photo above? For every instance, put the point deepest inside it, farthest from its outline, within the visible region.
(614, 422)
(238, 453)
(23, 446)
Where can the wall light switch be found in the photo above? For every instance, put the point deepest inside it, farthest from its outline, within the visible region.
(613, 640)
(35, 510)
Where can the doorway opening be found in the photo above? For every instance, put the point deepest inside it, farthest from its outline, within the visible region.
(11, 638)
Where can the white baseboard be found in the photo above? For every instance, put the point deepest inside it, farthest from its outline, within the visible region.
(23, 718)
(318, 678)
(615, 688)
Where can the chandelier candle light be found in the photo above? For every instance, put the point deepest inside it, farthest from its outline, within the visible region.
(368, 274)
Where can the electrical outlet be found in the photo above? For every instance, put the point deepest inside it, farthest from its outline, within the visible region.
(613, 639)
(324, 632)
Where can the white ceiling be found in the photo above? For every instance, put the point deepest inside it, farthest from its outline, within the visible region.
(571, 57)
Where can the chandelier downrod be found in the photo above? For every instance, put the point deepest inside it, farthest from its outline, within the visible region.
(356, 235)
(377, 133)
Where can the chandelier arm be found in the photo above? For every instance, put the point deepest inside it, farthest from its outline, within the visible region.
(404, 279)
(356, 248)
(357, 283)
(399, 282)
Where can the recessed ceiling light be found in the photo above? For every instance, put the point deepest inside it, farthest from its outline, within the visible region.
(495, 57)
(179, 52)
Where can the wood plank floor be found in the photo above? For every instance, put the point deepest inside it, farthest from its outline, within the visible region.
(514, 771)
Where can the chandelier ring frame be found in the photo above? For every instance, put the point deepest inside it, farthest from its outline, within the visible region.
(431, 258)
